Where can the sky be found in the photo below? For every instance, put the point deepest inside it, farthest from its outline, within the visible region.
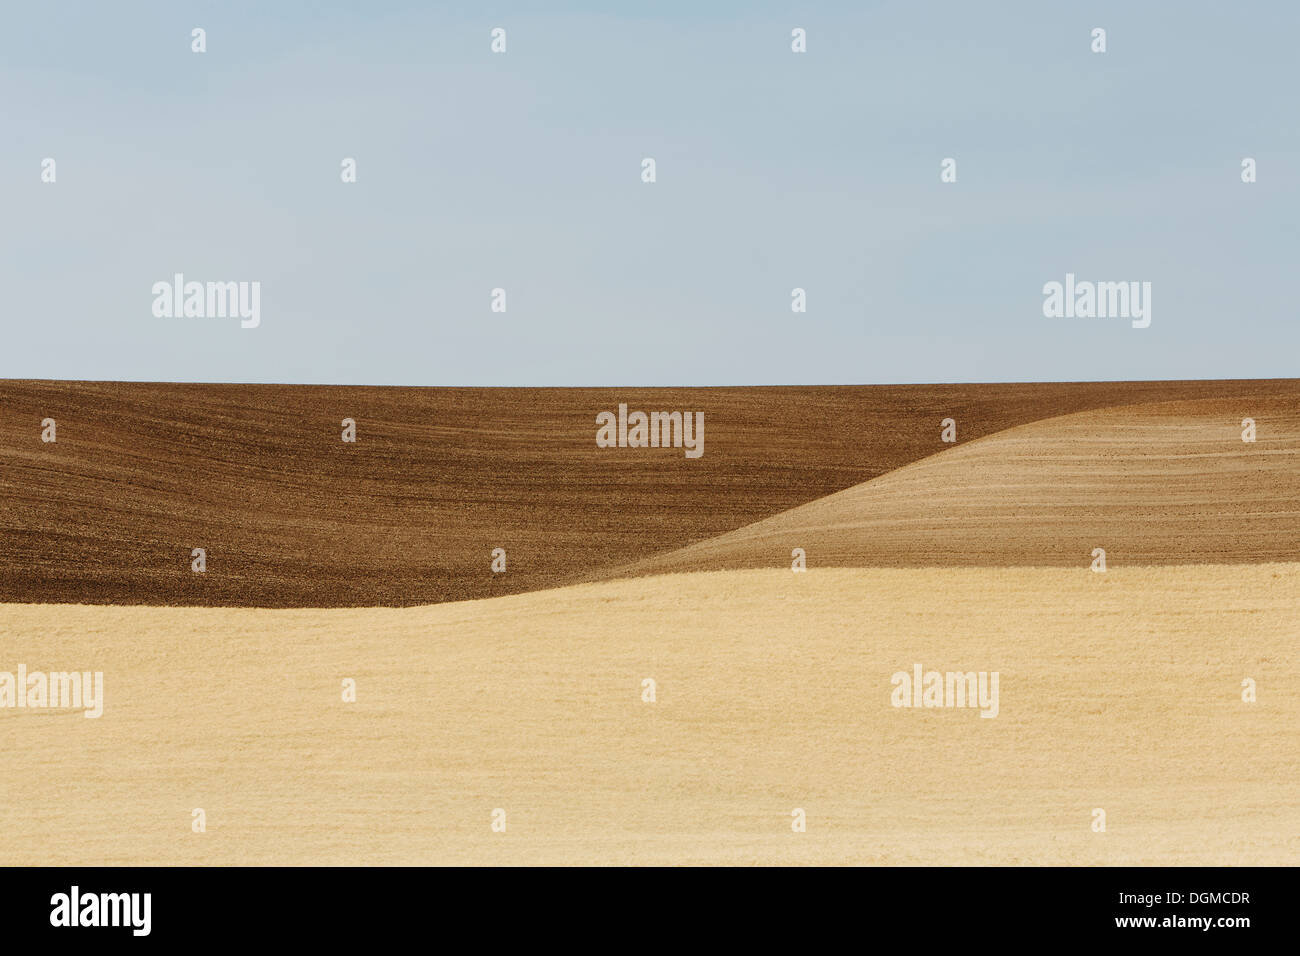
(522, 171)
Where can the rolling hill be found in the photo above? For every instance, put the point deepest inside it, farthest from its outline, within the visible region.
(289, 515)
(1150, 484)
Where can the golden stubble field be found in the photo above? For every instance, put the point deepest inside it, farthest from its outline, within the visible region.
(1119, 691)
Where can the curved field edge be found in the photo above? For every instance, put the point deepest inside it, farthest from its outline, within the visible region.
(288, 515)
(1152, 483)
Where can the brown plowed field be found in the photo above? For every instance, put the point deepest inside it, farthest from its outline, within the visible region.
(290, 515)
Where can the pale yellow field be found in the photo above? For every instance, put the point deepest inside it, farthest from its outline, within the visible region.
(1119, 691)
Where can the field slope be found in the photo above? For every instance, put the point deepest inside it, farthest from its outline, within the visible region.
(290, 516)
(1151, 484)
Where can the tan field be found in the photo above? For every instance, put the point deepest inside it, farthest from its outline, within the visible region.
(1119, 691)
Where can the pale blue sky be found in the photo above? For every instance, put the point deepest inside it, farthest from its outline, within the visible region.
(775, 170)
